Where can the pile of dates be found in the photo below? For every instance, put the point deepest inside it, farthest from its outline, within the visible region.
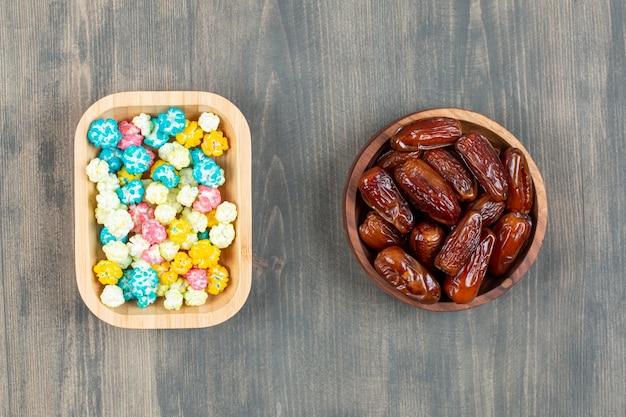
(448, 210)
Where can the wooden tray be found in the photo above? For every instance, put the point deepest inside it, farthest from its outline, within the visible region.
(237, 188)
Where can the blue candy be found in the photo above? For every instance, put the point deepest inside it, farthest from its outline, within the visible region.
(104, 133)
(113, 157)
(208, 173)
(157, 138)
(131, 193)
(172, 122)
(204, 235)
(106, 236)
(143, 282)
(136, 159)
(125, 284)
(197, 155)
(167, 175)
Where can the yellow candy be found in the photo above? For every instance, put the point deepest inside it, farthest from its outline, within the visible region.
(108, 272)
(161, 268)
(211, 218)
(214, 143)
(125, 177)
(218, 279)
(168, 278)
(204, 254)
(191, 136)
(178, 230)
(181, 264)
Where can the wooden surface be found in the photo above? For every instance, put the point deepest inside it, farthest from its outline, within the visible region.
(315, 80)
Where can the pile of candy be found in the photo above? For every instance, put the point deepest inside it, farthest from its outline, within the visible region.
(163, 220)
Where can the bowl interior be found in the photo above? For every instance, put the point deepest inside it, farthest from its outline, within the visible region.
(236, 164)
(355, 209)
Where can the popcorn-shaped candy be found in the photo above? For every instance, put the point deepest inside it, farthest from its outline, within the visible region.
(208, 198)
(166, 174)
(97, 170)
(218, 279)
(181, 263)
(156, 193)
(172, 199)
(194, 298)
(136, 159)
(176, 154)
(161, 268)
(197, 155)
(157, 137)
(144, 123)
(125, 285)
(112, 296)
(173, 300)
(137, 245)
(178, 230)
(187, 195)
(101, 215)
(191, 136)
(211, 220)
(209, 121)
(197, 278)
(168, 249)
(119, 223)
(222, 235)
(168, 277)
(226, 212)
(124, 177)
(113, 157)
(143, 282)
(192, 238)
(140, 264)
(104, 133)
(140, 212)
(172, 122)
(153, 231)
(208, 173)
(117, 252)
(108, 272)
(108, 201)
(106, 237)
(108, 183)
(131, 193)
(196, 220)
(186, 177)
(161, 289)
(165, 213)
(214, 143)
(131, 135)
(204, 254)
(152, 255)
(156, 164)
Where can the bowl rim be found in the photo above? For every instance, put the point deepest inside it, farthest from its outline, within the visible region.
(192, 317)
(367, 155)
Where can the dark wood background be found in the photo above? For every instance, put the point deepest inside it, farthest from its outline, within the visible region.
(315, 80)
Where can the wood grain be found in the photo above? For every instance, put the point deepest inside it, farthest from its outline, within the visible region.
(315, 80)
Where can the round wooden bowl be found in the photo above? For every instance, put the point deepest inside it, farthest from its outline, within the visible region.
(355, 209)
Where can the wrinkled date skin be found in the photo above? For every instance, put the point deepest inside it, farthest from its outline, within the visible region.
(483, 161)
(425, 134)
(464, 286)
(460, 244)
(394, 159)
(512, 231)
(490, 210)
(428, 191)
(407, 275)
(379, 191)
(378, 233)
(447, 164)
(521, 188)
(425, 242)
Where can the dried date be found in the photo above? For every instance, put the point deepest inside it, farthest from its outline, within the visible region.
(425, 242)
(430, 133)
(378, 233)
(447, 164)
(460, 244)
(519, 180)
(512, 231)
(489, 210)
(393, 159)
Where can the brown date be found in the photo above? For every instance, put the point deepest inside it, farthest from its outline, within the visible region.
(460, 243)
(425, 242)
(482, 160)
(378, 233)
(430, 133)
(380, 192)
(447, 164)
(512, 231)
(464, 286)
(393, 159)
(520, 182)
(428, 191)
(407, 275)
(490, 210)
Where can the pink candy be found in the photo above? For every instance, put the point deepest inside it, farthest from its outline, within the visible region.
(197, 278)
(131, 135)
(140, 213)
(153, 231)
(208, 199)
(152, 255)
